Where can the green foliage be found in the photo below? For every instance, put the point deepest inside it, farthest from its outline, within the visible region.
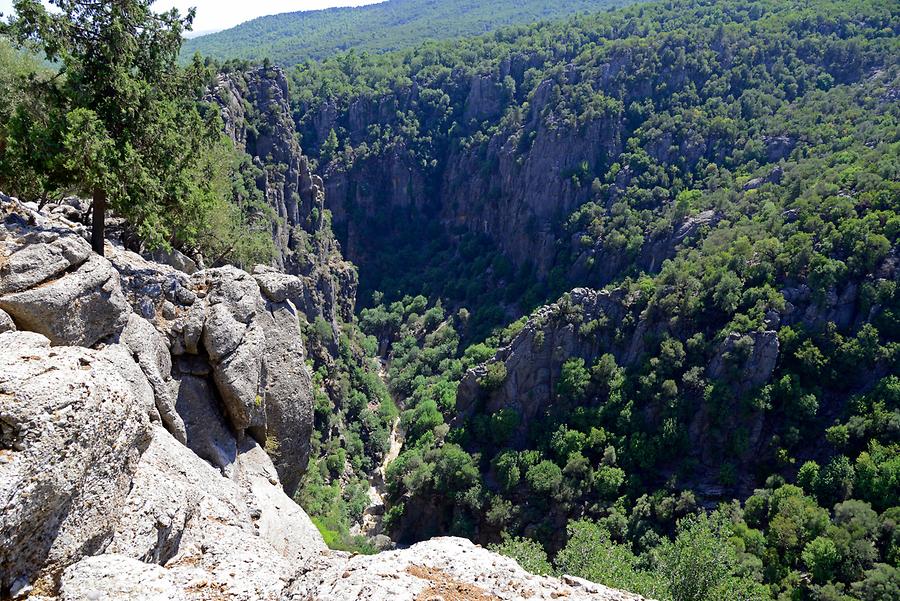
(821, 557)
(544, 477)
(760, 137)
(699, 565)
(881, 583)
(494, 376)
(527, 552)
(353, 417)
(573, 380)
(121, 122)
(295, 37)
(126, 118)
(591, 554)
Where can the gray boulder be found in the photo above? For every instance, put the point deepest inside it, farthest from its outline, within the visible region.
(278, 287)
(80, 308)
(6, 322)
(72, 433)
(38, 256)
(212, 534)
(257, 361)
(442, 568)
(151, 351)
(176, 259)
(235, 341)
(288, 394)
(117, 578)
(208, 434)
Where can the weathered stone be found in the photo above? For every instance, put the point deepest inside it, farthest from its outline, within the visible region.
(81, 308)
(182, 513)
(14, 340)
(152, 354)
(235, 342)
(277, 519)
(450, 567)
(38, 256)
(278, 287)
(238, 378)
(748, 360)
(176, 260)
(208, 434)
(117, 578)
(6, 322)
(72, 432)
(193, 328)
(288, 394)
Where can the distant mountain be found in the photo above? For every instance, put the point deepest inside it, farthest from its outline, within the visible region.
(292, 38)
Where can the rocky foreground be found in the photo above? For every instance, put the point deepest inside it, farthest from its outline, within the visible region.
(153, 423)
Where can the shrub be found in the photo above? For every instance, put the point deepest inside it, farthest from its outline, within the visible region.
(545, 477)
(530, 554)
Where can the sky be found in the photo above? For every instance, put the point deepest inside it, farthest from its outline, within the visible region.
(213, 15)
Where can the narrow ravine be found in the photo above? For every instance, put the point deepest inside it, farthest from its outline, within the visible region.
(371, 524)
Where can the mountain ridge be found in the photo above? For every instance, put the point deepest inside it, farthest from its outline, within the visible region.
(294, 37)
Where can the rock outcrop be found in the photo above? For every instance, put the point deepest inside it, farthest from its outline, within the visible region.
(215, 325)
(74, 422)
(257, 117)
(587, 324)
(442, 568)
(78, 308)
(515, 188)
(85, 472)
(533, 360)
(146, 443)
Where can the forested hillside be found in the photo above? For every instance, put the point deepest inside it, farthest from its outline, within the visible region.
(628, 281)
(292, 38)
(707, 194)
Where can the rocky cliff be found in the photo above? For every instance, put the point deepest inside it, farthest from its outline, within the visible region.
(257, 118)
(739, 370)
(515, 187)
(151, 423)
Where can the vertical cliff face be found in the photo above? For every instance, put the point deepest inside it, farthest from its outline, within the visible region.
(515, 186)
(257, 117)
(526, 179)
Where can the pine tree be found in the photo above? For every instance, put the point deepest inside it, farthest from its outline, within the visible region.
(126, 126)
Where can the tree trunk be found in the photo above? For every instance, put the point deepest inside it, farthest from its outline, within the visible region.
(98, 221)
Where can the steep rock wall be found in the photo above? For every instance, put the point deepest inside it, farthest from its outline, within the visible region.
(257, 117)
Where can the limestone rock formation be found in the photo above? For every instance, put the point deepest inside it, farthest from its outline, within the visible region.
(73, 424)
(6, 322)
(152, 425)
(442, 568)
(109, 577)
(740, 364)
(257, 117)
(80, 308)
(511, 189)
(85, 472)
(240, 352)
(747, 359)
(533, 360)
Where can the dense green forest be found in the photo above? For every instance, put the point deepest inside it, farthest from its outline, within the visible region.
(292, 38)
(693, 394)
(78, 116)
(773, 128)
